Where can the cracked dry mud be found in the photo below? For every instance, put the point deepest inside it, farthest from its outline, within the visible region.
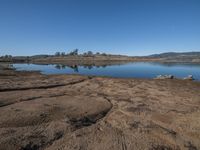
(70, 112)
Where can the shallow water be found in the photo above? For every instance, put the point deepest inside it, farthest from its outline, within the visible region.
(129, 70)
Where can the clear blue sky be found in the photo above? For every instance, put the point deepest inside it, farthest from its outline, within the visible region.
(131, 27)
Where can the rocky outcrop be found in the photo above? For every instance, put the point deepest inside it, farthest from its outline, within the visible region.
(190, 77)
(165, 77)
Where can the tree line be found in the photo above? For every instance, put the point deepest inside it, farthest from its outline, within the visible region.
(75, 53)
(6, 56)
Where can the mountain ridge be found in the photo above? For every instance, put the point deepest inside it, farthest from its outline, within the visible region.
(175, 54)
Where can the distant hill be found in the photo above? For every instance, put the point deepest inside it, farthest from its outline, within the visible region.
(174, 54)
(178, 57)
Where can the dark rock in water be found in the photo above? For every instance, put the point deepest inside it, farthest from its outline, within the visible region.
(190, 77)
(165, 77)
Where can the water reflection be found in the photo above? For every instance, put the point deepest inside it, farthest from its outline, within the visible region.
(172, 64)
(76, 67)
(61, 66)
(129, 70)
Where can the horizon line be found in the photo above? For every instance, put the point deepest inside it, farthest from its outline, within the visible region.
(105, 53)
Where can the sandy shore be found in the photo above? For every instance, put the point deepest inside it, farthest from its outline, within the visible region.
(71, 112)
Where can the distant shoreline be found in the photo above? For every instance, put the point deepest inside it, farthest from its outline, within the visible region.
(81, 59)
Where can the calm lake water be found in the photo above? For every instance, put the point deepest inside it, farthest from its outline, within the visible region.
(130, 70)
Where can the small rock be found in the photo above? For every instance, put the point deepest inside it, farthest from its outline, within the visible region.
(100, 129)
(190, 77)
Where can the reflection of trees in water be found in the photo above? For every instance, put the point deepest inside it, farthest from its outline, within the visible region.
(61, 66)
(88, 66)
(104, 66)
(58, 66)
(76, 67)
(92, 66)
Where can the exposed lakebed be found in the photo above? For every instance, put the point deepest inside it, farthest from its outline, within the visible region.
(79, 112)
(129, 70)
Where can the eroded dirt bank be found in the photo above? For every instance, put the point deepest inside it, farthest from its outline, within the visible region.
(68, 112)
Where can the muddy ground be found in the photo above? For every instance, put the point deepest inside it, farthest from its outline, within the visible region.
(71, 112)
